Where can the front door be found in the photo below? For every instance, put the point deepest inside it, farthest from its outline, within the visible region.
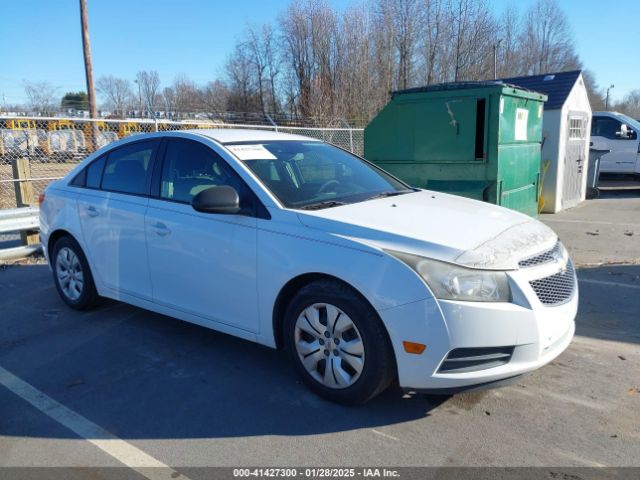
(605, 132)
(202, 264)
(575, 157)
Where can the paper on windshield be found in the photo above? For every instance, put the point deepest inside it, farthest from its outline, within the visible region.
(251, 152)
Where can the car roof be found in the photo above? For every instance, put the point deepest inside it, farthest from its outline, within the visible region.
(232, 135)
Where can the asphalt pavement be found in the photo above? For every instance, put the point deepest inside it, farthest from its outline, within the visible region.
(120, 385)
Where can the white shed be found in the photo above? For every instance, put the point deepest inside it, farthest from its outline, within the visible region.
(566, 128)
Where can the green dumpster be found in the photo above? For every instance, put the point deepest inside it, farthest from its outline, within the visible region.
(476, 139)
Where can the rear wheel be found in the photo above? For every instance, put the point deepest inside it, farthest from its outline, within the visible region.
(338, 343)
(72, 275)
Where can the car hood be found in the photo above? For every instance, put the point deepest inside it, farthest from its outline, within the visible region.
(439, 226)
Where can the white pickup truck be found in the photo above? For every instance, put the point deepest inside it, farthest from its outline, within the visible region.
(620, 134)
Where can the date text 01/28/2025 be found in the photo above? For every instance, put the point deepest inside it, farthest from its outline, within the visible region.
(315, 472)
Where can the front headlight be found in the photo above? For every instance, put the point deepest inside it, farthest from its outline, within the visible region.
(452, 282)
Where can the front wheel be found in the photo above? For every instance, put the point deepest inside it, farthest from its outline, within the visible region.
(338, 343)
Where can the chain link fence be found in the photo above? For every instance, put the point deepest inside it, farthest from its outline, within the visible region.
(35, 150)
(53, 146)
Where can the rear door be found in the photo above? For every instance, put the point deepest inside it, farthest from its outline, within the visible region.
(111, 209)
(201, 263)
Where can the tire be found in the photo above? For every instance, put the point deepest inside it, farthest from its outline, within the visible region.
(79, 292)
(362, 361)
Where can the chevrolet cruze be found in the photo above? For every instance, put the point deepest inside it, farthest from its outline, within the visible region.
(295, 243)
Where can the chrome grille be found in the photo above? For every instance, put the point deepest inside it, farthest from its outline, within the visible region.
(555, 289)
(549, 256)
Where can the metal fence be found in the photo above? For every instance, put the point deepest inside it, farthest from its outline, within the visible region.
(37, 150)
(53, 146)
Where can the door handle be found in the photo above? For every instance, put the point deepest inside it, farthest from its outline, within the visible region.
(92, 212)
(161, 229)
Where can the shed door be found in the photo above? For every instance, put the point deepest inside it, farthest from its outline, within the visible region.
(575, 164)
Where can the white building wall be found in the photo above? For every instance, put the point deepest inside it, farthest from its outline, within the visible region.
(556, 131)
(549, 155)
(578, 100)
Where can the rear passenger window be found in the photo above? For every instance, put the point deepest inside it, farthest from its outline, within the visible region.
(94, 173)
(80, 179)
(190, 167)
(126, 168)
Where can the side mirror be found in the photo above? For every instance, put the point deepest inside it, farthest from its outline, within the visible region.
(624, 132)
(222, 199)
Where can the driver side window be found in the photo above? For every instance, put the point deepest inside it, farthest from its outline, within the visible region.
(190, 167)
(605, 127)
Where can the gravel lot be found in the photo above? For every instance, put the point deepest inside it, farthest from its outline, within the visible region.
(188, 396)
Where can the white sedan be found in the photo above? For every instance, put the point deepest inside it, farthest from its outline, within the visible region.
(291, 242)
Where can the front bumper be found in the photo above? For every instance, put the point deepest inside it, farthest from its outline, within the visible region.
(537, 333)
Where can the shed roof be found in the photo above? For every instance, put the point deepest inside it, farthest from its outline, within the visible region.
(557, 86)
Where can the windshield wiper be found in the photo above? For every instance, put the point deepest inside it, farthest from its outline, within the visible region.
(390, 193)
(325, 204)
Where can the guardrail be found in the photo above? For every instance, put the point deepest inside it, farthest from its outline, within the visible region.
(23, 220)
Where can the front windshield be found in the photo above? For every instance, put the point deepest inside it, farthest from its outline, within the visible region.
(310, 175)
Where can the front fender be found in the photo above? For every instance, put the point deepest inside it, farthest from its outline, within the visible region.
(286, 251)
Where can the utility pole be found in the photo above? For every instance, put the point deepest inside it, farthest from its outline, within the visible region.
(495, 59)
(606, 102)
(88, 68)
(139, 97)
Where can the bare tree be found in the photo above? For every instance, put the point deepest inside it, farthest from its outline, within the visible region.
(41, 97)
(316, 62)
(324, 25)
(595, 93)
(273, 62)
(406, 21)
(116, 92)
(149, 85)
(355, 87)
(473, 36)
(309, 33)
(546, 42)
(384, 55)
(242, 78)
(630, 104)
(214, 98)
(261, 47)
(435, 40)
(508, 51)
(296, 37)
(181, 97)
